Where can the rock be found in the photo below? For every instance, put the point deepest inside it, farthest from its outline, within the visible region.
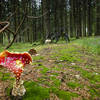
(96, 73)
(47, 41)
(73, 64)
(77, 76)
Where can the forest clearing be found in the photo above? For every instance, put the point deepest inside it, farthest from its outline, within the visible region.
(59, 72)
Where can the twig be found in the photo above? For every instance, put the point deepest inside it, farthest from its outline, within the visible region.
(24, 29)
(10, 31)
(11, 15)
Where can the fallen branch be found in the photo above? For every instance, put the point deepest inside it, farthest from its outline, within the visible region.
(7, 24)
(14, 37)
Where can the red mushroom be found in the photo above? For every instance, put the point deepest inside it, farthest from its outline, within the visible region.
(15, 62)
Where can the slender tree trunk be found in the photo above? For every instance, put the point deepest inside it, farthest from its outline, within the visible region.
(66, 16)
(71, 18)
(80, 20)
(97, 18)
(1, 16)
(46, 17)
(89, 18)
(84, 17)
(27, 21)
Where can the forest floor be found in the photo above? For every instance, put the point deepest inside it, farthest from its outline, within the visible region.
(59, 72)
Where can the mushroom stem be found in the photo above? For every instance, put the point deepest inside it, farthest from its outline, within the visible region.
(18, 88)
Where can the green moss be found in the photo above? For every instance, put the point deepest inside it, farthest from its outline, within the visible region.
(35, 92)
(68, 54)
(5, 76)
(66, 95)
(37, 58)
(63, 95)
(74, 85)
(93, 78)
(94, 92)
(8, 90)
(44, 70)
(56, 68)
(56, 82)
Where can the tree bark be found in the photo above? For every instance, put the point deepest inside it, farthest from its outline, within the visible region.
(46, 8)
(97, 18)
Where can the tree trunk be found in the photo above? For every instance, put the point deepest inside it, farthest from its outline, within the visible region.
(84, 17)
(89, 18)
(71, 18)
(46, 8)
(97, 18)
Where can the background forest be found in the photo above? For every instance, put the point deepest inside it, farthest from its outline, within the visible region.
(78, 18)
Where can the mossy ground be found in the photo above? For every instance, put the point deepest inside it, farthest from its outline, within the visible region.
(61, 71)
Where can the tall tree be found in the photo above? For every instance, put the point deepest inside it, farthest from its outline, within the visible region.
(89, 19)
(97, 17)
(71, 18)
(46, 9)
(84, 6)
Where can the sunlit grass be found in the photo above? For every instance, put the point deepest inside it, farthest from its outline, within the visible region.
(92, 44)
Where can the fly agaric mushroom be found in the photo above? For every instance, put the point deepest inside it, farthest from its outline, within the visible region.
(15, 62)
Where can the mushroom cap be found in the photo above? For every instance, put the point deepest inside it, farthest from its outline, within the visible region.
(15, 62)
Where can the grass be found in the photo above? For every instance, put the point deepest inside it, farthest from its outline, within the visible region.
(35, 58)
(62, 55)
(92, 44)
(66, 54)
(92, 77)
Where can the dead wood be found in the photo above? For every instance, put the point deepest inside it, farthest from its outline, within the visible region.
(3, 27)
(14, 37)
